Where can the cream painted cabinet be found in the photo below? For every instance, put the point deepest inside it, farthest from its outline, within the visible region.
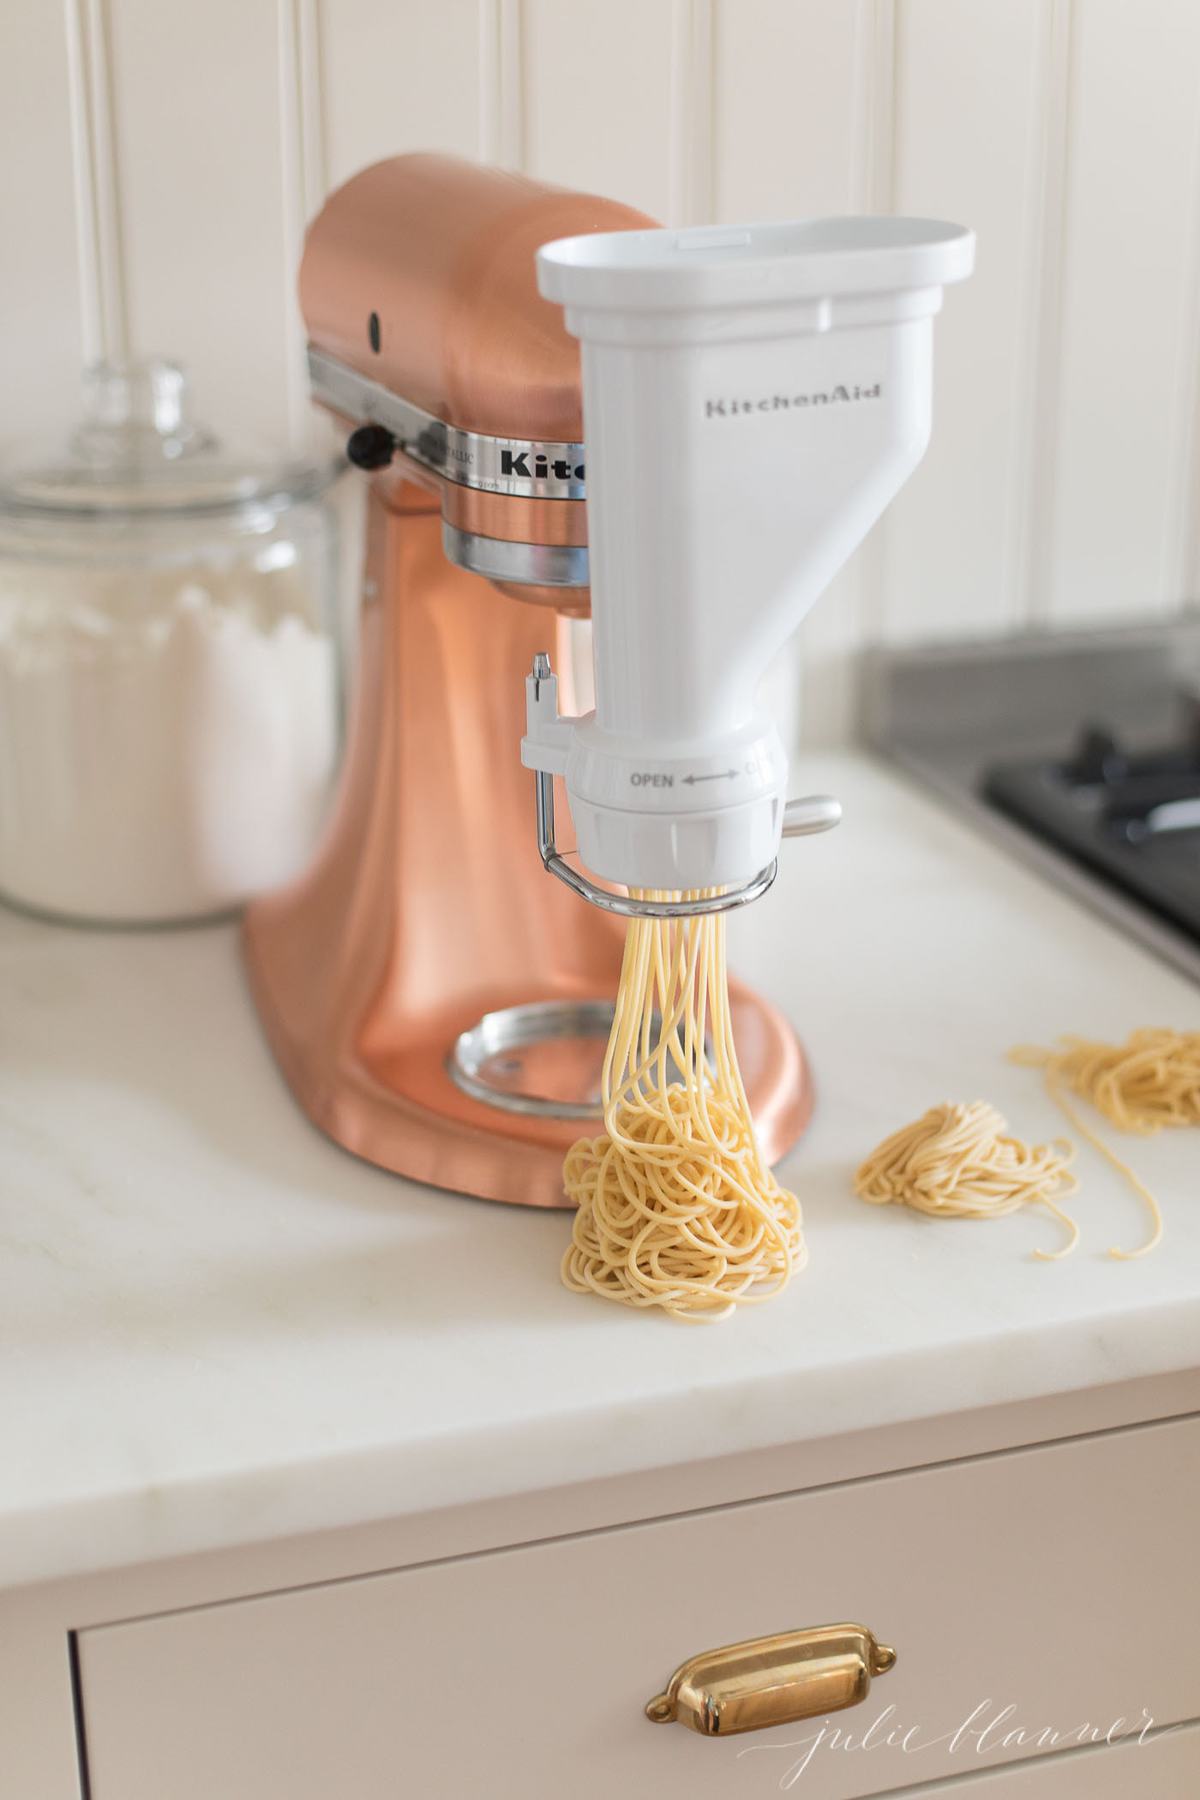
(1058, 1580)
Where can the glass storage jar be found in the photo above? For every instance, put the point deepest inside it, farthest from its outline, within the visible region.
(169, 667)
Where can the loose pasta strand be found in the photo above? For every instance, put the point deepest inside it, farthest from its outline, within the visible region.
(676, 1208)
(1150, 1081)
(957, 1161)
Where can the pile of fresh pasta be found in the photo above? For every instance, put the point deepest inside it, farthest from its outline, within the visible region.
(956, 1161)
(676, 1208)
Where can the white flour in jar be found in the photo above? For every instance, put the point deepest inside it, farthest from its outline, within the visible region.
(164, 767)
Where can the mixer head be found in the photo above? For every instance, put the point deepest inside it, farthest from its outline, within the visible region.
(428, 336)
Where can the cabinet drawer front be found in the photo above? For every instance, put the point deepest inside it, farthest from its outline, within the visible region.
(1060, 1581)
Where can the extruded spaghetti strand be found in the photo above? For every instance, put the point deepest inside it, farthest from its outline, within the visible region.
(676, 1208)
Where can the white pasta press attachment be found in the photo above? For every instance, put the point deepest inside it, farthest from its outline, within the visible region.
(753, 398)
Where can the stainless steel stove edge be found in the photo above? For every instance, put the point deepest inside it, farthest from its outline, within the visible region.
(943, 712)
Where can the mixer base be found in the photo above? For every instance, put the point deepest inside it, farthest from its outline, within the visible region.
(404, 1110)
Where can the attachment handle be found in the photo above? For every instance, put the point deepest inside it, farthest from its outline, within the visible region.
(815, 812)
(772, 1680)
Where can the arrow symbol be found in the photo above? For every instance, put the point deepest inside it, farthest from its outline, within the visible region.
(722, 775)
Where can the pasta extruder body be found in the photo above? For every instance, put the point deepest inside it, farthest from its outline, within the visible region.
(753, 398)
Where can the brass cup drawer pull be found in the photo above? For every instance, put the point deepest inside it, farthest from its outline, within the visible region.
(772, 1680)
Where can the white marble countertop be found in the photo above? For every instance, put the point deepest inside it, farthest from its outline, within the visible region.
(216, 1327)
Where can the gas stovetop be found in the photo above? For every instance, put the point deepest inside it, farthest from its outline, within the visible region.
(1133, 818)
(1082, 752)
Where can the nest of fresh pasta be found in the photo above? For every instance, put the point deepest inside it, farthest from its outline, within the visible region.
(676, 1207)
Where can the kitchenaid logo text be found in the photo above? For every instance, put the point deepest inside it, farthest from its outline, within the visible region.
(722, 409)
(533, 466)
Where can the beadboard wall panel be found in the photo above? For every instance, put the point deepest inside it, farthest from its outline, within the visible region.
(966, 77)
(158, 163)
(1127, 383)
(401, 76)
(575, 60)
(200, 181)
(784, 108)
(41, 308)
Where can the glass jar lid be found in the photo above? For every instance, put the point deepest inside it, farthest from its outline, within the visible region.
(138, 453)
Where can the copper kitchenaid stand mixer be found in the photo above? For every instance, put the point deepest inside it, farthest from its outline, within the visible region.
(424, 962)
